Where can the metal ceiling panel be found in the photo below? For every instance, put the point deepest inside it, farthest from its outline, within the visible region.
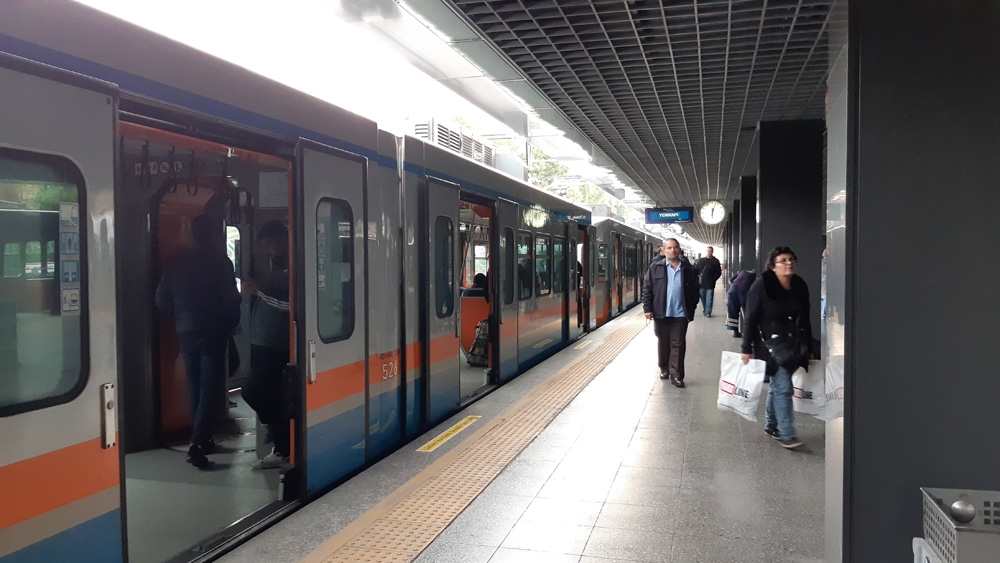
(670, 90)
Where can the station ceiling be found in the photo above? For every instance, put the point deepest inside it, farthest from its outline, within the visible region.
(671, 91)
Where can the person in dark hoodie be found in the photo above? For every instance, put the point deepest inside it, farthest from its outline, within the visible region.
(778, 303)
(736, 298)
(198, 290)
(669, 298)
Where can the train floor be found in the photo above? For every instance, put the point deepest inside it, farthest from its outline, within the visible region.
(172, 505)
(588, 457)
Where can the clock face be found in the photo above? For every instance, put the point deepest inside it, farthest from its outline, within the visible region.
(713, 212)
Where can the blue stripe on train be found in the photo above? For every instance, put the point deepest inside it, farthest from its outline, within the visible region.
(336, 447)
(98, 540)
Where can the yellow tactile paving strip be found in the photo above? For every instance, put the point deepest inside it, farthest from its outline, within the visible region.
(406, 522)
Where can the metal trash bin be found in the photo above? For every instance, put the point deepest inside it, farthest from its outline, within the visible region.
(962, 526)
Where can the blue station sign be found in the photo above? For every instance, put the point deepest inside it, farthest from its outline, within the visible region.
(660, 215)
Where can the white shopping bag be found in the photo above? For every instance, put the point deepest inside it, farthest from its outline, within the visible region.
(809, 390)
(834, 388)
(739, 386)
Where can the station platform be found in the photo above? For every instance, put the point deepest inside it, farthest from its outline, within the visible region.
(589, 457)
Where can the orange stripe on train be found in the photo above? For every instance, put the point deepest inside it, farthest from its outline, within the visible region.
(46, 482)
(340, 383)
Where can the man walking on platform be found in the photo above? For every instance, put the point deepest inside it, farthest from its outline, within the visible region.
(669, 298)
(709, 270)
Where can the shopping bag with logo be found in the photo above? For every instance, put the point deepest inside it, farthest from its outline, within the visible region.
(740, 384)
(834, 388)
(809, 390)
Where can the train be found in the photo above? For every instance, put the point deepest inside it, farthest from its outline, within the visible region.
(401, 252)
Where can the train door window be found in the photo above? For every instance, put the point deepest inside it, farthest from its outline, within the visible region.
(334, 270)
(543, 265)
(602, 262)
(559, 265)
(42, 337)
(524, 266)
(508, 272)
(579, 257)
(13, 266)
(444, 267)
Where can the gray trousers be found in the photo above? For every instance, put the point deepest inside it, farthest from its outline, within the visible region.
(671, 335)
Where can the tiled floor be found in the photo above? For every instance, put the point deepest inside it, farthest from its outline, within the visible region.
(637, 470)
(632, 470)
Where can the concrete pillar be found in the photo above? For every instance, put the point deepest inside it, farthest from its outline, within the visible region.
(790, 193)
(922, 233)
(748, 223)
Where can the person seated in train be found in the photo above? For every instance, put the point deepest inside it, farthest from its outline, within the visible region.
(198, 290)
(269, 347)
(479, 282)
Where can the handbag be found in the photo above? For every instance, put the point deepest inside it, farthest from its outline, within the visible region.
(787, 348)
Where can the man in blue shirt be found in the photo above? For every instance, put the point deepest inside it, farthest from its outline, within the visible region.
(669, 298)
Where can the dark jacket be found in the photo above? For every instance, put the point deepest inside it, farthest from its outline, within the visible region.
(768, 310)
(654, 289)
(740, 285)
(198, 290)
(709, 270)
(269, 310)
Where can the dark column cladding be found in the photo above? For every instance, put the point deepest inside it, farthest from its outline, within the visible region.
(736, 261)
(792, 206)
(748, 223)
(921, 376)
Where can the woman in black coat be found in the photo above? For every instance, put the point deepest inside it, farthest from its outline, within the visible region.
(778, 303)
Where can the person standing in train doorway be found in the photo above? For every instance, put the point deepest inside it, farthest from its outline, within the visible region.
(198, 290)
(709, 271)
(669, 298)
(269, 345)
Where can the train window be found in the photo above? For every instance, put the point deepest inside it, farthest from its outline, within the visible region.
(508, 270)
(444, 267)
(559, 265)
(42, 286)
(543, 265)
(524, 267)
(334, 269)
(602, 262)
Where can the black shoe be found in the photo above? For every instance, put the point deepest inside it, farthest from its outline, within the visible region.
(210, 448)
(663, 375)
(736, 334)
(772, 432)
(677, 382)
(196, 457)
(790, 443)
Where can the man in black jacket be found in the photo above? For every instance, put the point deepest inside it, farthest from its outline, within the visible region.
(198, 291)
(709, 270)
(669, 298)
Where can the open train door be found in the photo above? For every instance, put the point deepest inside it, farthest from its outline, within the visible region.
(331, 318)
(440, 266)
(505, 287)
(590, 278)
(571, 323)
(59, 467)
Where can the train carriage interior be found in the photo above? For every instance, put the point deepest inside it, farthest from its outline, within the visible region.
(172, 506)
(474, 233)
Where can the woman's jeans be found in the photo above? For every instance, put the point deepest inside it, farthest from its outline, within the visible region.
(779, 412)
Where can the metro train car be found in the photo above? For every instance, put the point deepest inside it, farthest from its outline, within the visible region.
(401, 255)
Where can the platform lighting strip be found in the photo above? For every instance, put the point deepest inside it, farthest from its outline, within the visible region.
(400, 527)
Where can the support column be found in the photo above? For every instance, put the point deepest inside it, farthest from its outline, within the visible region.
(748, 223)
(792, 206)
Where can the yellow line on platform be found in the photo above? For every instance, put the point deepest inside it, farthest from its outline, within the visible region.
(447, 434)
(583, 344)
(543, 343)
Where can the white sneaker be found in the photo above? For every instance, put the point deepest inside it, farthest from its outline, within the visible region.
(272, 460)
